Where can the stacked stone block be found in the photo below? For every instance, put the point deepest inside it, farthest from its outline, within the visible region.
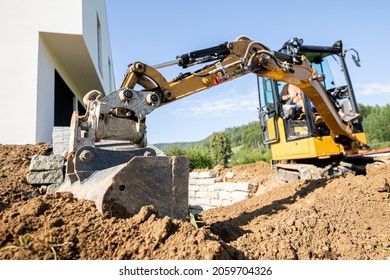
(60, 138)
(46, 170)
(207, 191)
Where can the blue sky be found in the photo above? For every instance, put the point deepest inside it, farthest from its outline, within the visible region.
(154, 32)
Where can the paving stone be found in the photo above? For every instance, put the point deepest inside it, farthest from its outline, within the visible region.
(45, 177)
(44, 163)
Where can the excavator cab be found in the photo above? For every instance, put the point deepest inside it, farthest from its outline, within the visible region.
(301, 135)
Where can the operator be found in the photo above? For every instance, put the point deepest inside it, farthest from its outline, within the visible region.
(293, 93)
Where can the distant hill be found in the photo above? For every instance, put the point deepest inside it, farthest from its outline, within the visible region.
(375, 120)
(247, 135)
(163, 146)
(246, 140)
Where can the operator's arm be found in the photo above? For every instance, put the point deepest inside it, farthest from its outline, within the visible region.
(285, 96)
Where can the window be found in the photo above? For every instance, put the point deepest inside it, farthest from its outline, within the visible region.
(110, 86)
(99, 44)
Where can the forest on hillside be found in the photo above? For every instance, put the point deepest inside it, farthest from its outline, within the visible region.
(244, 144)
(376, 125)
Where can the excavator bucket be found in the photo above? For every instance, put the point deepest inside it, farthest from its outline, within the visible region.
(121, 182)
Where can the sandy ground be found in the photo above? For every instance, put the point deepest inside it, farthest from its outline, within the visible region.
(342, 218)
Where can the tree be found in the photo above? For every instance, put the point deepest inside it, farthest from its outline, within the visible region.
(220, 148)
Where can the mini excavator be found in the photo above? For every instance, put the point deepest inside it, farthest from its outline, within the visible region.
(122, 181)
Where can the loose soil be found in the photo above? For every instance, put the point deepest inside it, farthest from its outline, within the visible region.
(340, 218)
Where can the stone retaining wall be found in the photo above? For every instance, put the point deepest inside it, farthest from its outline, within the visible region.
(207, 191)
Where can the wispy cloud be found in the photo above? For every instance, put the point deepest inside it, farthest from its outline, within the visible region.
(233, 101)
(372, 89)
(225, 104)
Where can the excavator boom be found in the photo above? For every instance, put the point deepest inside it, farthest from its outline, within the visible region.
(234, 60)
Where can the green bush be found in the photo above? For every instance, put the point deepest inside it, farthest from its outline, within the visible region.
(175, 150)
(198, 157)
(250, 155)
(375, 121)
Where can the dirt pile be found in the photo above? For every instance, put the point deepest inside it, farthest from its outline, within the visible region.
(343, 218)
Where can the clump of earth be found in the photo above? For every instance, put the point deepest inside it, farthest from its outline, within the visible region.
(341, 218)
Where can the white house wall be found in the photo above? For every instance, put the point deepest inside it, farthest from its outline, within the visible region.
(90, 37)
(18, 73)
(45, 90)
(47, 35)
(47, 64)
